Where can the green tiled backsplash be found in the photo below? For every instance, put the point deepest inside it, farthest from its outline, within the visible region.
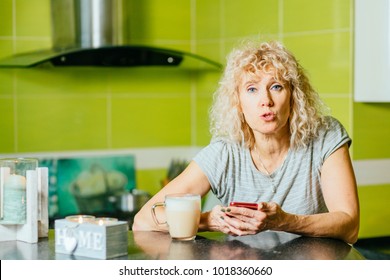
(167, 20)
(6, 18)
(58, 109)
(341, 107)
(326, 58)
(32, 18)
(374, 213)
(85, 108)
(150, 180)
(7, 124)
(67, 123)
(253, 18)
(308, 15)
(155, 121)
(372, 130)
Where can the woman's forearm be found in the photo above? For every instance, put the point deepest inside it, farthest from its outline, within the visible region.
(338, 225)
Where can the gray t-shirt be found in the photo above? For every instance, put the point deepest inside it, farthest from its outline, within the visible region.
(234, 177)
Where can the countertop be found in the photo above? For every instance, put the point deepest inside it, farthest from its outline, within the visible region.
(267, 245)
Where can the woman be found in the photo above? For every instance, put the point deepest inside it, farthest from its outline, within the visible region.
(273, 145)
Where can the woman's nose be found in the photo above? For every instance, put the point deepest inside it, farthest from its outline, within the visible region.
(266, 100)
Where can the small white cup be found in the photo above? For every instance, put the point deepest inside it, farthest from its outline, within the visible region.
(183, 215)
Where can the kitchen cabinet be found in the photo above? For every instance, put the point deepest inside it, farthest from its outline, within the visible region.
(372, 51)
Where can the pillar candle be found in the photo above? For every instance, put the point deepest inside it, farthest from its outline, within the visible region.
(14, 200)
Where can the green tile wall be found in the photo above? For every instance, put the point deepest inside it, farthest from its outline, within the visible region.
(327, 59)
(208, 21)
(47, 123)
(206, 84)
(341, 107)
(316, 16)
(58, 82)
(372, 130)
(150, 179)
(7, 82)
(167, 20)
(32, 18)
(249, 18)
(158, 121)
(91, 108)
(6, 18)
(374, 215)
(7, 124)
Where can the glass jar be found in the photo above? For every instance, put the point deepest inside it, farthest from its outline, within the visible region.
(13, 183)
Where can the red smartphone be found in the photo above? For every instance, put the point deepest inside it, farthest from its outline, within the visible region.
(244, 204)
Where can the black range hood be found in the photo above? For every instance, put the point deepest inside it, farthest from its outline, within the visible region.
(91, 33)
(110, 56)
(119, 56)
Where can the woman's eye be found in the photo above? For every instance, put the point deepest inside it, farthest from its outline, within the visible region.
(251, 89)
(276, 87)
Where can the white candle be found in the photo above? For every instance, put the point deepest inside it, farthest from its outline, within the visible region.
(106, 221)
(14, 200)
(80, 219)
(15, 182)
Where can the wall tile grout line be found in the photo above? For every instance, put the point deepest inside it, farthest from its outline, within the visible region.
(15, 108)
(280, 20)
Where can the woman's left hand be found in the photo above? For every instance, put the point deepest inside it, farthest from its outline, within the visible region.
(244, 221)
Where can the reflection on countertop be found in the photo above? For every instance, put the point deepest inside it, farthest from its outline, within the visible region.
(263, 246)
(267, 245)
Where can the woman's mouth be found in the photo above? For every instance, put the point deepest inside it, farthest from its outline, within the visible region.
(269, 116)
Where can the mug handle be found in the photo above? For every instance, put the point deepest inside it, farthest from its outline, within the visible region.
(158, 204)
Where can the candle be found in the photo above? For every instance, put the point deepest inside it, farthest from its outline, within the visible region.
(80, 219)
(16, 181)
(14, 211)
(105, 221)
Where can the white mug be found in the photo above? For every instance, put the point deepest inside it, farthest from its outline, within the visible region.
(183, 215)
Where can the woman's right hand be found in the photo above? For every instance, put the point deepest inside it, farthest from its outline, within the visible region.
(215, 221)
(237, 221)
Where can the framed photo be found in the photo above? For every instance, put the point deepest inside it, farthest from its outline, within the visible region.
(84, 185)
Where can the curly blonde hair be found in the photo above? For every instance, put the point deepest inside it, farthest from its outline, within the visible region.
(307, 109)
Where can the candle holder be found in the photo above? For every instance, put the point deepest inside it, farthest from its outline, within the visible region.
(87, 236)
(23, 200)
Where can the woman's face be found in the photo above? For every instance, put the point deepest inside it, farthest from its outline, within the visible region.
(265, 103)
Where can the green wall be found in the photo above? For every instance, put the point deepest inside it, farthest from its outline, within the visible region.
(56, 109)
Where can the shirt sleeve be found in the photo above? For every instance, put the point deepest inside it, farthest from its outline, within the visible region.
(213, 160)
(333, 138)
